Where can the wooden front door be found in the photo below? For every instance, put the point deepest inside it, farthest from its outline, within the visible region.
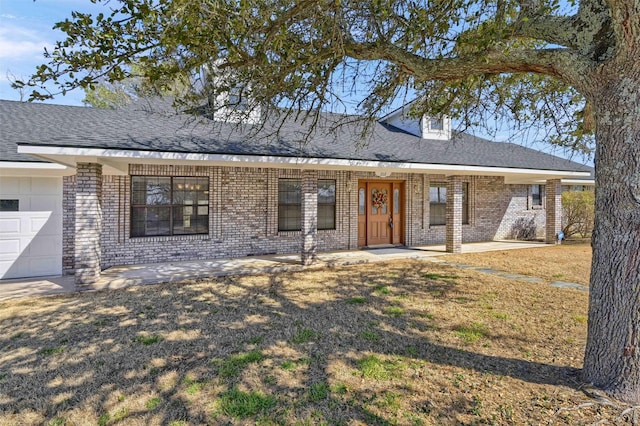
(380, 213)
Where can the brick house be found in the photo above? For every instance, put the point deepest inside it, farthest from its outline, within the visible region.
(84, 189)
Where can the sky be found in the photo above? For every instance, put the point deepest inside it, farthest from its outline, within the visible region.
(26, 28)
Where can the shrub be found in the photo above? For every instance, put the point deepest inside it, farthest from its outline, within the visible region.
(577, 213)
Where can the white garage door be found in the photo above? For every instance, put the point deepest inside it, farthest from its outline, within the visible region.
(30, 226)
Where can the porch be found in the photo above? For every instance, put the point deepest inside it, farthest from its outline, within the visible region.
(154, 273)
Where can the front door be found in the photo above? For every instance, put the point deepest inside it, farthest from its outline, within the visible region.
(379, 213)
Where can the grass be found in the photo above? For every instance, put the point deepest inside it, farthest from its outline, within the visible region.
(472, 332)
(568, 262)
(52, 351)
(153, 403)
(238, 404)
(394, 311)
(382, 289)
(373, 367)
(233, 365)
(370, 336)
(147, 340)
(318, 392)
(233, 351)
(304, 335)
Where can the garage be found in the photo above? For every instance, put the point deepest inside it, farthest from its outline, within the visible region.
(30, 226)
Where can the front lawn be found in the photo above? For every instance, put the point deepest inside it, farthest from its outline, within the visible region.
(404, 342)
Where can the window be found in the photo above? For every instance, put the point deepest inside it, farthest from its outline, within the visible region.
(238, 98)
(436, 124)
(9, 205)
(537, 194)
(169, 206)
(290, 204)
(326, 204)
(438, 203)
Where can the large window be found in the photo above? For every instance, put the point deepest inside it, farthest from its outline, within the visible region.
(169, 206)
(290, 204)
(438, 203)
(537, 195)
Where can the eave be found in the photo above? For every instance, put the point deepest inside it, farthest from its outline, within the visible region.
(116, 162)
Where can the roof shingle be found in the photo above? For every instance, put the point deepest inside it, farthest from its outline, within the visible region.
(139, 128)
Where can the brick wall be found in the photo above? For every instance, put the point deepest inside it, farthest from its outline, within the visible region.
(88, 223)
(243, 206)
(68, 224)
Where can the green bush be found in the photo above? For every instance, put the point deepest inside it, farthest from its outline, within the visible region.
(578, 209)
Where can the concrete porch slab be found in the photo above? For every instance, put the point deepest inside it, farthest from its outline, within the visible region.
(142, 274)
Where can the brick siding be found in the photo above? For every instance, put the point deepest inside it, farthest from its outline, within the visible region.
(243, 210)
(88, 222)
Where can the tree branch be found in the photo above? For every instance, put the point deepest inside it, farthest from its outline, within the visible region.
(550, 29)
(564, 64)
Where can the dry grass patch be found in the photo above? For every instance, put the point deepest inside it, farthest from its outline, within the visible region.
(404, 342)
(570, 261)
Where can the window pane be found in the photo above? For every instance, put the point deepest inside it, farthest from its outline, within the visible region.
(384, 206)
(438, 192)
(158, 221)
(536, 195)
(158, 190)
(374, 209)
(465, 203)
(361, 201)
(289, 204)
(437, 203)
(289, 191)
(326, 204)
(436, 124)
(138, 190)
(326, 191)
(437, 214)
(138, 221)
(190, 220)
(9, 205)
(289, 217)
(396, 201)
(326, 216)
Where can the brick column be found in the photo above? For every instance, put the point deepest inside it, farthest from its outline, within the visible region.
(88, 222)
(553, 193)
(454, 215)
(309, 216)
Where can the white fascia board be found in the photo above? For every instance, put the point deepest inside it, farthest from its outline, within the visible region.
(32, 168)
(587, 182)
(158, 157)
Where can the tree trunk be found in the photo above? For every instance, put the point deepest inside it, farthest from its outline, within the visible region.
(612, 356)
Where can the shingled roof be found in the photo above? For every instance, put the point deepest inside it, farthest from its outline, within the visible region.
(141, 128)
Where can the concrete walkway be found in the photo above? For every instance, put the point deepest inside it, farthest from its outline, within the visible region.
(125, 276)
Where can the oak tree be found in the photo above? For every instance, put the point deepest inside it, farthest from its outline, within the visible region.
(571, 68)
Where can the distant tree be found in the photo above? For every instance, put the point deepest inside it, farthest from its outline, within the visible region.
(577, 212)
(570, 67)
(108, 95)
(105, 94)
